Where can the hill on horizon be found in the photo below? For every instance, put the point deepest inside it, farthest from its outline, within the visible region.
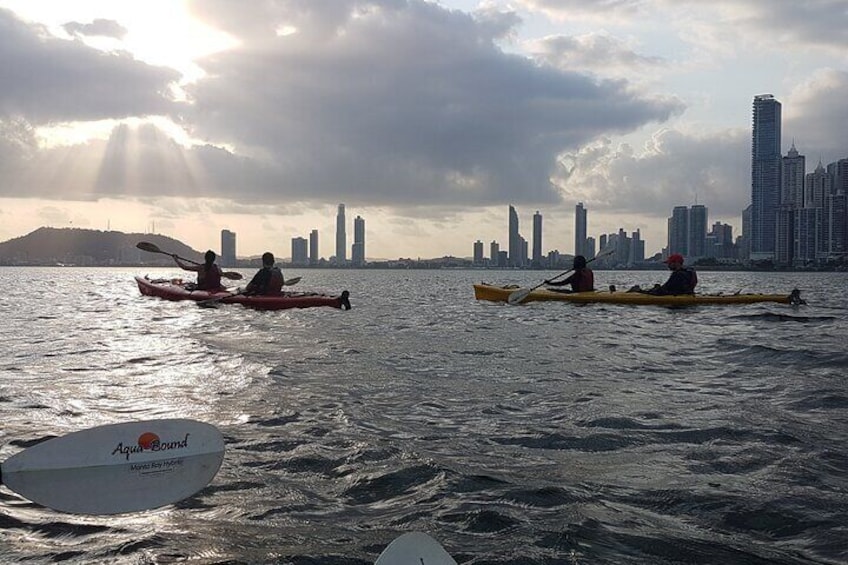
(87, 247)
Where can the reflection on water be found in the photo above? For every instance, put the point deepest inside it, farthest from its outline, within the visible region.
(545, 433)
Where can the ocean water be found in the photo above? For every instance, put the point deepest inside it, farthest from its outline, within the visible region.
(544, 433)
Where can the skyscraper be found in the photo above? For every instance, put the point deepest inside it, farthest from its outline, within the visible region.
(678, 231)
(341, 237)
(765, 175)
(228, 248)
(358, 250)
(313, 247)
(299, 251)
(579, 229)
(791, 198)
(537, 239)
(697, 232)
(514, 239)
(478, 252)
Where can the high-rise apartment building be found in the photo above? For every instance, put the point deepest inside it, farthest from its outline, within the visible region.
(358, 250)
(791, 198)
(478, 252)
(299, 251)
(697, 232)
(580, 229)
(228, 248)
(765, 175)
(515, 240)
(589, 248)
(313, 248)
(494, 252)
(341, 237)
(537, 239)
(678, 231)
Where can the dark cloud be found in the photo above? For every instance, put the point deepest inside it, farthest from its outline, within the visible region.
(46, 80)
(97, 28)
(400, 102)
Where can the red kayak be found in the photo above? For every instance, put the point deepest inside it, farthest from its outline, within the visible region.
(176, 289)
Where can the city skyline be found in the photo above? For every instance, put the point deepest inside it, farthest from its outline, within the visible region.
(199, 117)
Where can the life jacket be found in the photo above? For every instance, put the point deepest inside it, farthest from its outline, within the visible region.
(584, 281)
(693, 279)
(209, 278)
(275, 282)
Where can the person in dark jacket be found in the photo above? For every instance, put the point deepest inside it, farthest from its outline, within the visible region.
(208, 274)
(682, 280)
(268, 281)
(582, 280)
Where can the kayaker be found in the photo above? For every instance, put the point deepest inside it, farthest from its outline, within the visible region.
(682, 280)
(208, 274)
(268, 281)
(582, 280)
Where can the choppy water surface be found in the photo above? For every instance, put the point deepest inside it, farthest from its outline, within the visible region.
(545, 433)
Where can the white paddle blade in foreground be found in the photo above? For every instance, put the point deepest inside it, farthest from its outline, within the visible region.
(119, 467)
(518, 296)
(415, 548)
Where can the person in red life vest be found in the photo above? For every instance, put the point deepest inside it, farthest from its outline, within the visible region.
(208, 274)
(682, 280)
(268, 281)
(582, 280)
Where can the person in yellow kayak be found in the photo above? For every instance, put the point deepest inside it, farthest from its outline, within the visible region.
(582, 280)
(208, 274)
(268, 281)
(682, 280)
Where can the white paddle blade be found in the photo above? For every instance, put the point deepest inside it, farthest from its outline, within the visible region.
(415, 548)
(518, 296)
(118, 468)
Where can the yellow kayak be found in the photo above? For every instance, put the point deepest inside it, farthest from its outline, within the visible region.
(494, 293)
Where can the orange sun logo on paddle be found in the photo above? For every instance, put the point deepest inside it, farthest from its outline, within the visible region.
(147, 440)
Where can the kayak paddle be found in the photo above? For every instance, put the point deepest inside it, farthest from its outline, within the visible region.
(117, 468)
(152, 248)
(213, 301)
(518, 296)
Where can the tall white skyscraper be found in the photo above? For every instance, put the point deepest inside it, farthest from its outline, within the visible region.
(341, 237)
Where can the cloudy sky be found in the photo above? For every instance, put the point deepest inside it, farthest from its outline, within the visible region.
(425, 118)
